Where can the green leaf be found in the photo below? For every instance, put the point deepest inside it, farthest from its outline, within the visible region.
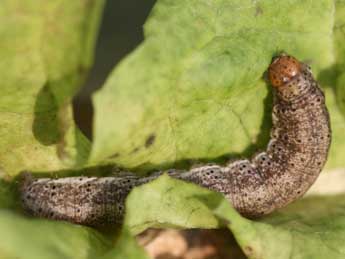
(339, 38)
(45, 48)
(8, 197)
(335, 76)
(335, 156)
(33, 238)
(313, 227)
(193, 90)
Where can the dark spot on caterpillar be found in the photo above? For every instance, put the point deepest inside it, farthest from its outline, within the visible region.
(150, 140)
(300, 141)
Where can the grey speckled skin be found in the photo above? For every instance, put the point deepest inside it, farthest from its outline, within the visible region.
(295, 156)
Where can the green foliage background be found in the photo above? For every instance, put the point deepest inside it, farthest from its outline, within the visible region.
(194, 87)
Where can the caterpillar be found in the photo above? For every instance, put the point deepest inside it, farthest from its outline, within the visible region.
(294, 157)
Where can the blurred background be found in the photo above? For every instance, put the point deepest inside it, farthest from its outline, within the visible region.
(120, 32)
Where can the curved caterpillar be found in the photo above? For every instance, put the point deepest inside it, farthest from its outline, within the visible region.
(295, 155)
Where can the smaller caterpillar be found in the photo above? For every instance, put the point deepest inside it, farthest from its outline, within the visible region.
(295, 155)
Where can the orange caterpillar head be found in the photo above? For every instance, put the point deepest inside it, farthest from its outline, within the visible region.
(283, 69)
